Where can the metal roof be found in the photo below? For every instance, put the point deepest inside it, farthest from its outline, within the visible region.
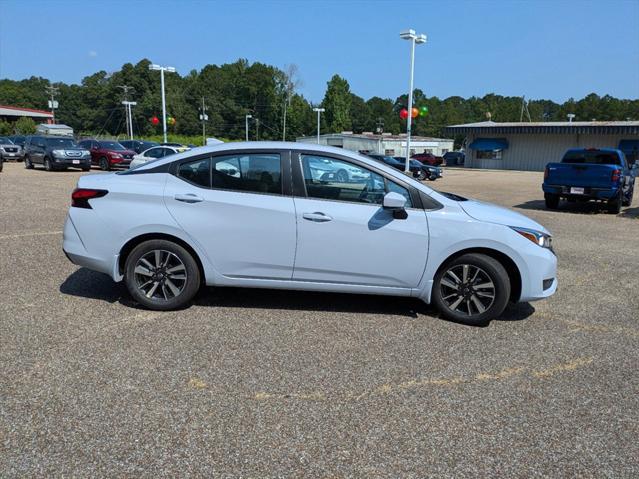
(551, 127)
(6, 110)
(373, 136)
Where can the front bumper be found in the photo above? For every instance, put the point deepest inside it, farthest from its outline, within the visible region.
(539, 281)
(72, 162)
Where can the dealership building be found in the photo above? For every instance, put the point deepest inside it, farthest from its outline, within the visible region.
(385, 144)
(530, 146)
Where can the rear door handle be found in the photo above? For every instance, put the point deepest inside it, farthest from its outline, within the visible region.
(188, 198)
(318, 217)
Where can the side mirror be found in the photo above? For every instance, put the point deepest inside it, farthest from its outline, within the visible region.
(395, 202)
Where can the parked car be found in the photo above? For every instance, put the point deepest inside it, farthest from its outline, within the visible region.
(138, 146)
(600, 174)
(428, 172)
(167, 227)
(18, 140)
(152, 154)
(415, 167)
(323, 169)
(108, 154)
(180, 147)
(55, 153)
(453, 158)
(9, 150)
(428, 158)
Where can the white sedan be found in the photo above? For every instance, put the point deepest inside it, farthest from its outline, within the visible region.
(151, 154)
(255, 215)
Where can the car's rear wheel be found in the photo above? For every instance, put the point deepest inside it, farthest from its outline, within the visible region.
(161, 275)
(552, 201)
(472, 289)
(28, 164)
(614, 205)
(104, 164)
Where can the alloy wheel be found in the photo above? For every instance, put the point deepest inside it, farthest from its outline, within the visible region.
(160, 275)
(467, 289)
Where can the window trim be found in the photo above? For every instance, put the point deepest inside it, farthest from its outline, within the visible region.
(299, 186)
(285, 163)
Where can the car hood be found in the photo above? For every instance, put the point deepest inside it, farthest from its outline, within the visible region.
(490, 213)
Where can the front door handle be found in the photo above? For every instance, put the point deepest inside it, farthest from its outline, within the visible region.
(188, 198)
(318, 217)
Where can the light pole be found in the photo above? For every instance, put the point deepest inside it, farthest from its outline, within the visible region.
(162, 70)
(246, 119)
(414, 38)
(319, 112)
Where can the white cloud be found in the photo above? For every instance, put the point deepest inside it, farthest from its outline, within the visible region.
(93, 53)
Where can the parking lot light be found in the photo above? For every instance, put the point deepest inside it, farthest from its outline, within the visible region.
(319, 112)
(246, 119)
(162, 69)
(414, 38)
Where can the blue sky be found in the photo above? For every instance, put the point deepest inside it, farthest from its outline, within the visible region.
(541, 49)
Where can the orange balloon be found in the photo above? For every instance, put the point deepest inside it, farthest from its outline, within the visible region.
(414, 112)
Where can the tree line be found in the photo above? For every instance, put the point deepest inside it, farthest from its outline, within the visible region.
(270, 95)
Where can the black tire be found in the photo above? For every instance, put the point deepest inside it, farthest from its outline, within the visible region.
(627, 201)
(432, 178)
(614, 205)
(104, 164)
(28, 164)
(473, 291)
(421, 176)
(47, 164)
(162, 298)
(552, 201)
(86, 168)
(342, 176)
(1, 164)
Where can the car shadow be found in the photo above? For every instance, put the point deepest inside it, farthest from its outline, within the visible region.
(90, 284)
(630, 212)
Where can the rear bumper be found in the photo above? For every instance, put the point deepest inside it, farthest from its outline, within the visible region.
(75, 251)
(589, 192)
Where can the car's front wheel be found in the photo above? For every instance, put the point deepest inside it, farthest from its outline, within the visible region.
(28, 164)
(47, 164)
(104, 164)
(161, 275)
(472, 289)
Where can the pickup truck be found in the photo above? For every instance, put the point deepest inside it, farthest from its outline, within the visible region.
(600, 174)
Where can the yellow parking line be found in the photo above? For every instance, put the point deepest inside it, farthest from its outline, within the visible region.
(24, 235)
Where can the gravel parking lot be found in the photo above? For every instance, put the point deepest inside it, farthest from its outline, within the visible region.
(259, 383)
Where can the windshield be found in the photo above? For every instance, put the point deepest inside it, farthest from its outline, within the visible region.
(111, 145)
(5, 141)
(61, 143)
(592, 157)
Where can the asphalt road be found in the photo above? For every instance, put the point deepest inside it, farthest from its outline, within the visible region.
(257, 383)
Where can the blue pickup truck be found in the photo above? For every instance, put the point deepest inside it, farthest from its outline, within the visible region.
(600, 174)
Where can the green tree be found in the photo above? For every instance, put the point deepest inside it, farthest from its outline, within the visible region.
(337, 103)
(24, 126)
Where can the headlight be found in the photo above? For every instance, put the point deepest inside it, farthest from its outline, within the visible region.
(58, 152)
(540, 239)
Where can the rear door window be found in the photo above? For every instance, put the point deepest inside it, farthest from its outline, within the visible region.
(256, 173)
(197, 172)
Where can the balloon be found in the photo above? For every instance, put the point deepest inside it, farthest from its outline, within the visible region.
(171, 120)
(414, 112)
(403, 113)
(155, 120)
(423, 111)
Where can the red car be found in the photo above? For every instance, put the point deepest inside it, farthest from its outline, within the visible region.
(108, 154)
(428, 159)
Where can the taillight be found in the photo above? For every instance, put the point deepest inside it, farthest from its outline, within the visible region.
(616, 174)
(81, 196)
(546, 173)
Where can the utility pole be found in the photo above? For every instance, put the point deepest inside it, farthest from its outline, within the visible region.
(204, 117)
(53, 104)
(257, 129)
(127, 108)
(163, 69)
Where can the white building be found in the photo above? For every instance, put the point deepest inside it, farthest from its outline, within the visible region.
(386, 143)
(530, 146)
